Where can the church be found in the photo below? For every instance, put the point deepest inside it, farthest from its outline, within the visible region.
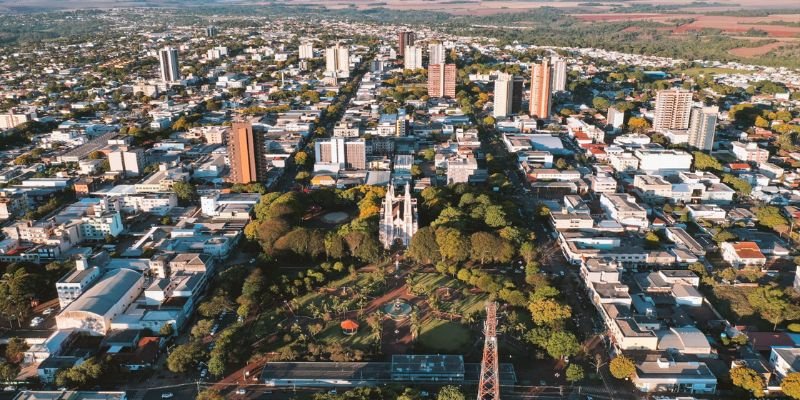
(398, 218)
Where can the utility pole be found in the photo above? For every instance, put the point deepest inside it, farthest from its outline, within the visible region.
(489, 386)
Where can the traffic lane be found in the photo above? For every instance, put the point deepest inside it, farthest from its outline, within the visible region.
(188, 392)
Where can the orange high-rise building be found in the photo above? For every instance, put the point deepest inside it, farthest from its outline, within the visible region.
(442, 80)
(540, 90)
(243, 152)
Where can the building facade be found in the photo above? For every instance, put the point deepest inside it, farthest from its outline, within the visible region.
(243, 152)
(540, 90)
(398, 218)
(702, 127)
(168, 60)
(673, 108)
(442, 80)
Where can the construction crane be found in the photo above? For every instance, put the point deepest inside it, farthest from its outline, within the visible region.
(489, 386)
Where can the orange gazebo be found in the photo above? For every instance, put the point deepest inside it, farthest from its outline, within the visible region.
(349, 327)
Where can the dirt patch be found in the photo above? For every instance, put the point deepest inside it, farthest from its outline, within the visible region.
(755, 51)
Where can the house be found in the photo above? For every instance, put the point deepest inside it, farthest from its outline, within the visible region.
(785, 360)
(742, 254)
(664, 375)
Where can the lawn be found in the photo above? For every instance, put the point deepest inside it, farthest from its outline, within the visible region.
(444, 336)
(362, 340)
(732, 303)
(712, 70)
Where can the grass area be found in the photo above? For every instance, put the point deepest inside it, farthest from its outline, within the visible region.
(362, 340)
(444, 336)
(732, 303)
(712, 70)
(464, 303)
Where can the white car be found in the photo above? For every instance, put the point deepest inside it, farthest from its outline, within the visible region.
(167, 395)
(36, 322)
(48, 311)
(241, 391)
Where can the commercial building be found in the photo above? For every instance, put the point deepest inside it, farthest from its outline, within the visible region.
(702, 126)
(340, 153)
(337, 61)
(673, 108)
(306, 51)
(168, 61)
(540, 90)
(665, 375)
(127, 160)
(615, 118)
(244, 148)
(663, 162)
(412, 57)
(442, 80)
(16, 116)
(507, 95)
(622, 208)
(436, 53)
(559, 83)
(404, 39)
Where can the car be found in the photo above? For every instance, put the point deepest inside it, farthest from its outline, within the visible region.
(252, 261)
(48, 311)
(36, 321)
(167, 395)
(241, 391)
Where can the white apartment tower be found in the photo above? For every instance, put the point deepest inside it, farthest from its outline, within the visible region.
(412, 57)
(503, 95)
(337, 61)
(559, 83)
(398, 218)
(168, 60)
(436, 53)
(702, 127)
(673, 107)
(306, 51)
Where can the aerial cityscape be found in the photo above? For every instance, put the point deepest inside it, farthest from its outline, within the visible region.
(407, 199)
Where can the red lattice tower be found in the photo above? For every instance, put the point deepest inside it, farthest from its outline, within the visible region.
(489, 386)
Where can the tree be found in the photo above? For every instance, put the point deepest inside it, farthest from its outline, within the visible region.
(450, 392)
(15, 350)
(301, 158)
(638, 125)
(622, 367)
(740, 185)
(561, 164)
(773, 305)
(488, 120)
(416, 171)
(202, 328)
(749, 380)
(790, 385)
(9, 371)
(184, 356)
(453, 245)
(186, 192)
(495, 217)
(166, 330)
(601, 104)
(562, 344)
(549, 311)
(771, 217)
(574, 373)
(84, 375)
(209, 394)
(761, 122)
(651, 240)
(705, 162)
(423, 247)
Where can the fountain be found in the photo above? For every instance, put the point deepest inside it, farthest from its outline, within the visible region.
(397, 309)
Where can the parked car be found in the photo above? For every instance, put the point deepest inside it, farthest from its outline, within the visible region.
(241, 391)
(36, 321)
(167, 395)
(48, 311)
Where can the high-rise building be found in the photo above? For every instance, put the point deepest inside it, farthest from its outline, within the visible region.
(540, 90)
(337, 61)
(306, 51)
(412, 57)
(615, 118)
(404, 39)
(702, 127)
(398, 218)
(211, 31)
(673, 107)
(340, 152)
(507, 95)
(442, 80)
(559, 74)
(436, 53)
(244, 151)
(168, 59)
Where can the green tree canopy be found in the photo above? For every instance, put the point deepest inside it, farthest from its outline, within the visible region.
(749, 380)
(622, 367)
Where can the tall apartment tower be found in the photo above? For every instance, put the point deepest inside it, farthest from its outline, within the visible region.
(412, 57)
(404, 39)
(442, 80)
(673, 108)
(507, 95)
(344, 152)
(306, 51)
(168, 60)
(559, 83)
(211, 31)
(436, 53)
(540, 90)
(244, 150)
(337, 61)
(702, 127)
